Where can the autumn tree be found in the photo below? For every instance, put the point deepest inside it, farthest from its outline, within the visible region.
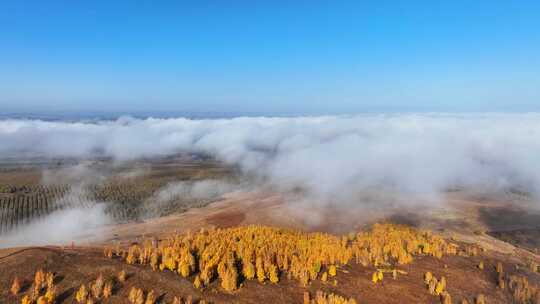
(432, 286)
(375, 277)
(26, 300)
(97, 287)
(122, 276)
(39, 280)
(107, 289)
(50, 294)
(150, 298)
(273, 274)
(324, 276)
(108, 252)
(248, 269)
(261, 276)
(82, 294)
(306, 297)
(499, 268)
(480, 299)
(446, 298)
(197, 282)
(427, 277)
(41, 300)
(136, 296)
(258, 252)
(15, 287)
(229, 278)
(332, 270)
(440, 286)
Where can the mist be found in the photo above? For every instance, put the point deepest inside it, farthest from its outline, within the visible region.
(60, 227)
(203, 189)
(180, 195)
(330, 157)
(359, 163)
(77, 218)
(79, 174)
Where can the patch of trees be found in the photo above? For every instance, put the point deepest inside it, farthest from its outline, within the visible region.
(266, 254)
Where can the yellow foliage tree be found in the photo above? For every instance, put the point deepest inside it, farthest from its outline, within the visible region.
(427, 277)
(26, 300)
(50, 294)
(374, 277)
(265, 252)
(261, 276)
(324, 298)
(480, 299)
(122, 276)
(273, 274)
(230, 280)
(41, 300)
(82, 294)
(499, 268)
(108, 252)
(136, 296)
(332, 270)
(432, 286)
(324, 276)
(107, 290)
(197, 282)
(15, 286)
(150, 298)
(248, 270)
(446, 298)
(39, 278)
(306, 298)
(97, 287)
(439, 288)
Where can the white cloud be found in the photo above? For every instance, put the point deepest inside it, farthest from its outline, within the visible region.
(326, 155)
(59, 228)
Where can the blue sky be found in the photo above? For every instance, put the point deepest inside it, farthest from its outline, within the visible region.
(305, 57)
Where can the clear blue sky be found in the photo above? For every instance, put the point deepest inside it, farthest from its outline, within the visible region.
(270, 56)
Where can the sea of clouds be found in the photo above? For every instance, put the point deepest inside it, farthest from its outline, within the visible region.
(355, 162)
(326, 156)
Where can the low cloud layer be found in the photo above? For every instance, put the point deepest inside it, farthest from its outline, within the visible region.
(77, 218)
(326, 156)
(186, 194)
(59, 228)
(205, 189)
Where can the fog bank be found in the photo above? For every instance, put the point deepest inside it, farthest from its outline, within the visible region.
(326, 156)
(59, 228)
(180, 195)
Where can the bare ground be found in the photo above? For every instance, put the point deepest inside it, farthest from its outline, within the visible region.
(81, 265)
